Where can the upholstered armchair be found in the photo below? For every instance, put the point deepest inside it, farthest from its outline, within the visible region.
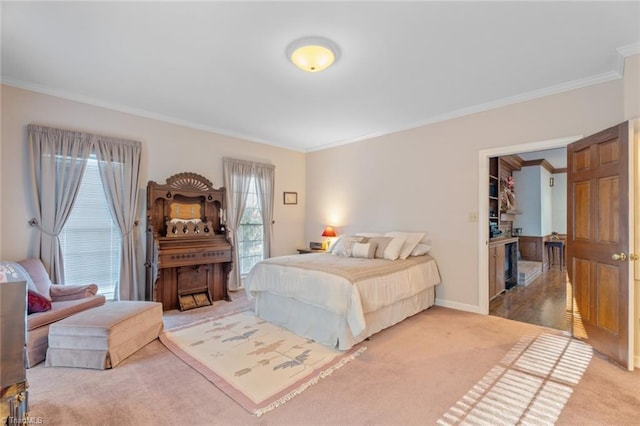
(47, 303)
(54, 292)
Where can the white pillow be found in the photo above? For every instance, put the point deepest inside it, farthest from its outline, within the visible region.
(364, 250)
(337, 245)
(411, 241)
(370, 234)
(421, 249)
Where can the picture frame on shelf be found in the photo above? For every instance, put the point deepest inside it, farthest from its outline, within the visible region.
(291, 198)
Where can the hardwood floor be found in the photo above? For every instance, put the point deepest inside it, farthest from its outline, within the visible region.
(542, 302)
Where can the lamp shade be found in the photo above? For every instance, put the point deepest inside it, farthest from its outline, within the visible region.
(329, 232)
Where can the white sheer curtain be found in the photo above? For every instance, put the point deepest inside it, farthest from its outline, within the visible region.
(119, 164)
(237, 177)
(58, 160)
(265, 182)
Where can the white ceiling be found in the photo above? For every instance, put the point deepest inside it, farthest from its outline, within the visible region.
(221, 66)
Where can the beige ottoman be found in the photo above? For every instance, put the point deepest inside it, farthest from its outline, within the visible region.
(101, 337)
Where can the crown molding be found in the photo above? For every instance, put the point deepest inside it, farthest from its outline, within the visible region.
(541, 162)
(623, 53)
(512, 162)
(138, 112)
(629, 49)
(545, 164)
(536, 94)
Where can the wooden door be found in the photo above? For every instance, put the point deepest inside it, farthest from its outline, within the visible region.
(598, 240)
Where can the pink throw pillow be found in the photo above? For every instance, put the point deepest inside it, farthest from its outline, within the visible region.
(37, 303)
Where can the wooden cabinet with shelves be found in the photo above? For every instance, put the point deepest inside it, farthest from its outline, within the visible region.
(503, 248)
(500, 218)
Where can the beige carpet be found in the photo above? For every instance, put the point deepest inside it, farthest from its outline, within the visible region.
(411, 374)
(258, 364)
(530, 386)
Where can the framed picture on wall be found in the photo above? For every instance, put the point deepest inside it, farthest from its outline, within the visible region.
(291, 198)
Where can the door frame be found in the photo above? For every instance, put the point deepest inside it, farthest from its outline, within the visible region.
(483, 204)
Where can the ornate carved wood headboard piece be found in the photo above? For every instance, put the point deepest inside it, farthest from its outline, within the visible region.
(187, 205)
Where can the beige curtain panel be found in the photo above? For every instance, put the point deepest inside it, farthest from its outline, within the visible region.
(237, 178)
(58, 161)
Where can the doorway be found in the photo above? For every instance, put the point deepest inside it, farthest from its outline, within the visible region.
(557, 278)
(602, 208)
(535, 219)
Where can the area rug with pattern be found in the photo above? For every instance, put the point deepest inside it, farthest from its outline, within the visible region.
(258, 364)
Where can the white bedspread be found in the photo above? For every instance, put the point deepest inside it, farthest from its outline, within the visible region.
(351, 299)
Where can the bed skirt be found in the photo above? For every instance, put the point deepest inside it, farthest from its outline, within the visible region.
(327, 327)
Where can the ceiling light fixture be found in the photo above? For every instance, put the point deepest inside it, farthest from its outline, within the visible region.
(313, 54)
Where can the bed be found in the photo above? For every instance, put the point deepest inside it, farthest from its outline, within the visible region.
(341, 298)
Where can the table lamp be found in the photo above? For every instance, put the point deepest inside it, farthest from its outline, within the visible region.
(328, 232)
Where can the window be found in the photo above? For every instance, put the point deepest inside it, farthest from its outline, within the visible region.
(90, 240)
(250, 232)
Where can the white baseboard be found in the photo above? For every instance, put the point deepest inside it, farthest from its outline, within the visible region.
(458, 306)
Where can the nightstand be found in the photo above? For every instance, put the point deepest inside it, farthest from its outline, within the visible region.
(306, 250)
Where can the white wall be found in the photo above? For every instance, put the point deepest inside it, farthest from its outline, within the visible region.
(426, 178)
(536, 201)
(559, 203)
(545, 202)
(632, 87)
(528, 200)
(167, 149)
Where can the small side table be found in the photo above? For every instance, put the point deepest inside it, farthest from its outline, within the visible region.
(306, 250)
(551, 245)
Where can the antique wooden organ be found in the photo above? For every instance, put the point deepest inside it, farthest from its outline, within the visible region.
(188, 253)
